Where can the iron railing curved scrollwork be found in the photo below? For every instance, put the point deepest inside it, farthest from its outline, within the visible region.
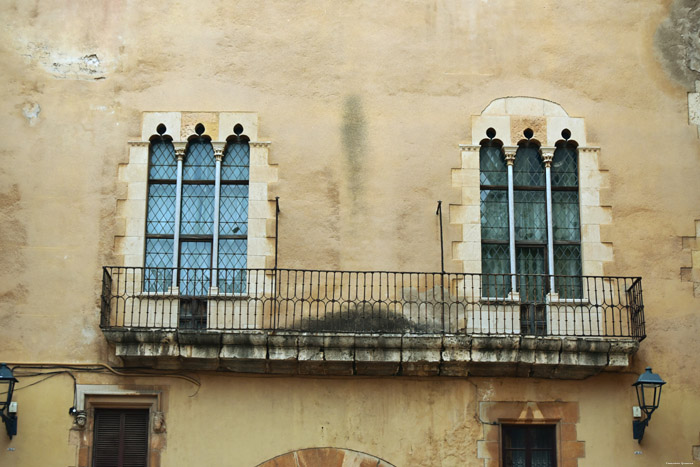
(371, 302)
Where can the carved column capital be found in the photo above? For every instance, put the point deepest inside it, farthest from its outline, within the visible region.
(180, 150)
(510, 156)
(218, 150)
(547, 157)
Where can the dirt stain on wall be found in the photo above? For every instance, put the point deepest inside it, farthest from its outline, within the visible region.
(354, 139)
(677, 42)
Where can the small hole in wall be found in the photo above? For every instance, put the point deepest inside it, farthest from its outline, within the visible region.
(491, 133)
(528, 133)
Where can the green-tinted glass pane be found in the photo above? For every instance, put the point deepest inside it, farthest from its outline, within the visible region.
(160, 219)
(530, 216)
(492, 165)
(565, 216)
(542, 437)
(197, 210)
(530, 267)
(158, 273)
(200, 163)
(236, 162)
(529, 168)
(565, 167)
(233, 210)
(567, 268)
(195, 261)
(232, 264)
(494, 215)
(514, 437)
(495, 266)
(163, 161)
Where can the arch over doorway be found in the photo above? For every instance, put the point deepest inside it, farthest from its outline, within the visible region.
(322, 457)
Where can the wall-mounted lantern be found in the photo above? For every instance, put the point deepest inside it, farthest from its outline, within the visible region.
(8, 409)
(648, 388)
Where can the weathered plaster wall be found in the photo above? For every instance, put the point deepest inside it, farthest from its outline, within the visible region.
(365, 107)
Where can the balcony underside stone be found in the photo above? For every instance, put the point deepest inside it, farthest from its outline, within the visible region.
(344, 354)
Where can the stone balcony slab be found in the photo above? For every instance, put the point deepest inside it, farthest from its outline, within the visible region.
(348, 354)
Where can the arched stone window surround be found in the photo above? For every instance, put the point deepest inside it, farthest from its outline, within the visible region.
(129, 243)
(510, 116)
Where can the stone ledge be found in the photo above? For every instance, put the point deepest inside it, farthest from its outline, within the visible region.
(348, 354)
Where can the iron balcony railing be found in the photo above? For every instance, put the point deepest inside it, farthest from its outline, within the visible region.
(371, 302)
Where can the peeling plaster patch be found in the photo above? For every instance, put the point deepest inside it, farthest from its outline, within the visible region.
(63, 65)
(31, 110)
(677, 41)
(694, 107)
(102, 108)
(85, 67)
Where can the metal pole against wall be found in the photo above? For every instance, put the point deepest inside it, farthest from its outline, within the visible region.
(442, 264)
(275, 292)
(442, 248)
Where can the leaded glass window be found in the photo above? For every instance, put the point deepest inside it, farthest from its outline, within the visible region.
(160, 216)
(185, 244)
(530, 243)
(494, 221)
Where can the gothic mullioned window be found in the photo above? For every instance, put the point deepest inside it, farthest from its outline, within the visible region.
(197, 215)
(530, 227)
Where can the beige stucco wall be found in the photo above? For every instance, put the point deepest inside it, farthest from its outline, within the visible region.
(365, 106)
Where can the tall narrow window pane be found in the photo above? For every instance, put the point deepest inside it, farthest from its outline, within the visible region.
(529, 168)
(567, 268)
(197, 210)
(233, 210)
(158, 274)
(495, 266)
(565, 216)
(565, 168)
(236, 162)
(163, 164)
(530, 267)
(530, 216)
(494, 215)
(200, 163)
(195, 261)
(160, 219)
(492, 166)
(232, 262)
(495, 257)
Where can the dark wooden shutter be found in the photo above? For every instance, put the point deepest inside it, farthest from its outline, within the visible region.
(121, 438)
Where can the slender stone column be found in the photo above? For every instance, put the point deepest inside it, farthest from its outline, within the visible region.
(180, 153)
(219, 154)
(510, 160)
(547, 157)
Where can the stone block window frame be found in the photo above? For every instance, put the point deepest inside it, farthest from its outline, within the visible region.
(133, 185)
(95, 397)
(510, 117)
(563, 416)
